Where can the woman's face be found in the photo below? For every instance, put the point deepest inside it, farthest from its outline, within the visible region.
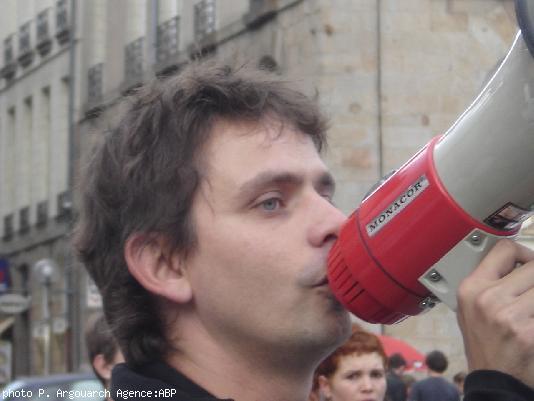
(358, 378)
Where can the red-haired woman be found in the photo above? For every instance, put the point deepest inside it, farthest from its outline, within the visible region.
(356, 371)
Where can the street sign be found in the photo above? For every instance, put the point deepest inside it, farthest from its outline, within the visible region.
(14, 303)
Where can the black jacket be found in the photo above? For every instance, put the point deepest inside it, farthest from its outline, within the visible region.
(396, 389)
(155, 381)
(490, 385)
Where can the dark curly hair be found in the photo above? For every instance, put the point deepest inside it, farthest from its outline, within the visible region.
(143, 176)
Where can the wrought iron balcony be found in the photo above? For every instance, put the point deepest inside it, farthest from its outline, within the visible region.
(10, 65)
(25, 48)
(42, 214)
(260, 11)
(44, 42)
(204, 21)
(62, 22)
(8, 50)
(24, 220)
(133, 62)
(94, 83)
(168, 39)
(8, 227)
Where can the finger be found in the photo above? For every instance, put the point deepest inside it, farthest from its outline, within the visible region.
(519, 280)
(501, 260)
(524, 309)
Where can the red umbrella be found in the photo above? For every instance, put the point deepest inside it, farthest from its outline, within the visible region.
(414, 358)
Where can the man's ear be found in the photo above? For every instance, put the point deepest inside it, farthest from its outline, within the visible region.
(102, 367)
(324, 387)
(157, 268)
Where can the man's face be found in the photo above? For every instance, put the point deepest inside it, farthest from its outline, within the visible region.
(265, 223)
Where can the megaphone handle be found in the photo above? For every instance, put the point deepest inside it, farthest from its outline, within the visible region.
(444, 277)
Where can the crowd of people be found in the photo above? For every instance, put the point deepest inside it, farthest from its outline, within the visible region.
(359, 370)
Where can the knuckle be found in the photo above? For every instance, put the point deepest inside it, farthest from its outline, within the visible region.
(505, 319)
(464, 292)
(484, 302)
(506, 245)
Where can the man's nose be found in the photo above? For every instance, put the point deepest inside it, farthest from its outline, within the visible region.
(326, 222)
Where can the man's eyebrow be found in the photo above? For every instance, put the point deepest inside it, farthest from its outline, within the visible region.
(265, 179)
(269, 178)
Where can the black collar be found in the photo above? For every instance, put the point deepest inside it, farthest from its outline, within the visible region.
(156, 377)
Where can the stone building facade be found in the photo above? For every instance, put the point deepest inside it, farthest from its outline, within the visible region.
(390, 74)
(35, 206)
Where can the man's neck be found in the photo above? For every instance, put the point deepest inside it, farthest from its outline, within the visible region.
(431, 373)
(242, 374)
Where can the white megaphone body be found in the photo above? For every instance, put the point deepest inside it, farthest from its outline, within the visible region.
(427, 226)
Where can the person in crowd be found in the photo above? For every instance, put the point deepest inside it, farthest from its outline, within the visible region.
(458, 379)
(408, 381)
(356, 371)
(102, 349)
(206, 218)
(396, 388)
(435, 387)
(206, 223)
(315, 393)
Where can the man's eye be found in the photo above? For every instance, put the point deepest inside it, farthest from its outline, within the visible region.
(270, 204)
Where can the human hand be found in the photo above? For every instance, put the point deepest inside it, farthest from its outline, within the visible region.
(496, 312)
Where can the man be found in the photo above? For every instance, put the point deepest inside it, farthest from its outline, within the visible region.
(435, 387)
(206, 221)
(396, 389)
(103, 351)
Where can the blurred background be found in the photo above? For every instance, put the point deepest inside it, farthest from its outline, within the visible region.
(390, 74)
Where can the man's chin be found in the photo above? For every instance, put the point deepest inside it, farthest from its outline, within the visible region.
(342, 321)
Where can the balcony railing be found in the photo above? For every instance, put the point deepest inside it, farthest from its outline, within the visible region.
(168, 39)
(62, 22)
(94, 83)
(10, 66)
(64, 205)
(24, 220)
(44, 42)
(260, 11)
(204, 21)
(133, 61)
(8, 227)
(42, 214)
(25, 46)
(8, 50)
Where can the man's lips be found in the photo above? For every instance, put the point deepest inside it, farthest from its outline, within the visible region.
(322, 282)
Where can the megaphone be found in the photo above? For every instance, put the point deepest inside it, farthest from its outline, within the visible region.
(427, 226)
